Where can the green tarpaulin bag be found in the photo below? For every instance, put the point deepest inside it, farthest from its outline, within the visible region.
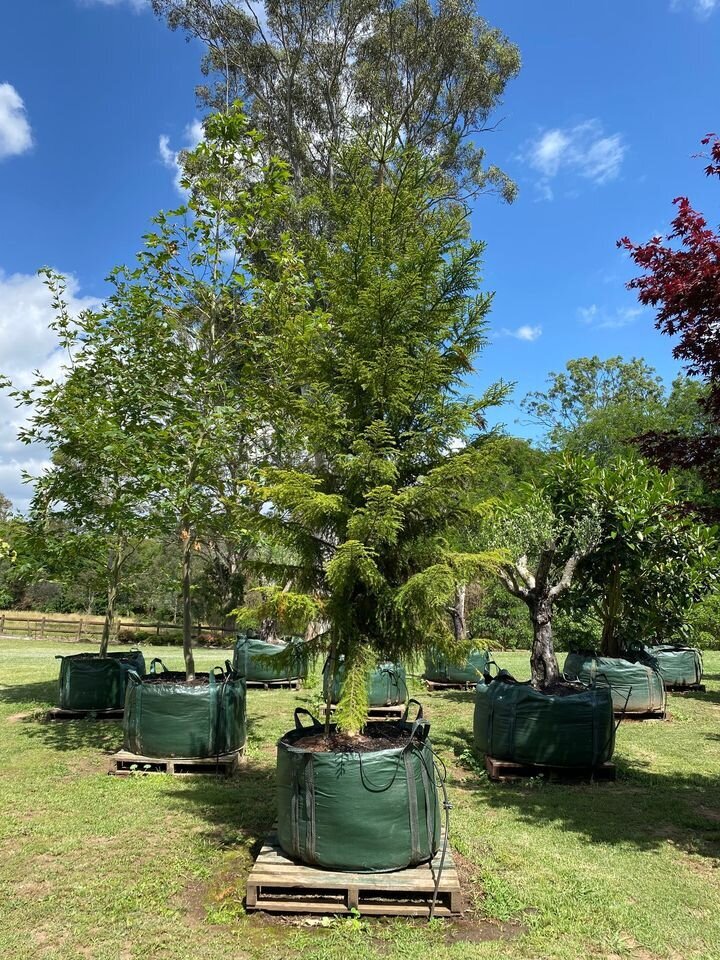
(247, 660)
(678, 665)
(636, 687)
(387, 683)
(349, 811)
(438, 669)
(166, 717)
(513, 721)
(90, 682)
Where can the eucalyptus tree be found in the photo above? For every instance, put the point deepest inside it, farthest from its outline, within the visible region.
(387, 467)
(316, 74)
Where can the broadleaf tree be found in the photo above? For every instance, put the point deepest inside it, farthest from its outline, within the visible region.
(681, 281)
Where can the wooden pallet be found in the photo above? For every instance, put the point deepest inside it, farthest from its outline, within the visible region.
(126, 764)
(60, 713)
(394, 711)
(508, 770)
(651, 715)
(289, 684)
(278, 884)
(438, 685)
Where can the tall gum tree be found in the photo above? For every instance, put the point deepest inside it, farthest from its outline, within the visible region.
(316, 74)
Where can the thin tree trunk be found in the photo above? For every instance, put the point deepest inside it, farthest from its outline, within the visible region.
(457, 612)
(332, 667)
(611, 610)
(543, 662)
(114, 565)
(187, 547)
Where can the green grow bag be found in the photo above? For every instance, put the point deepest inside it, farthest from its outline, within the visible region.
(438, 669)
(349, 811)
(387, 685)
(166, 717)
(513, 721)
(678, 665)
(636, 687)
(246, 663)
(90, 682)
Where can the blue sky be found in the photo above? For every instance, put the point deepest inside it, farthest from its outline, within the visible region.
(598, 131)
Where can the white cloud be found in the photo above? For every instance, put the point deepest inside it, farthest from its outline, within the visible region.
(701, 8)
(136, 5)
(27, 344)
(603, 319)
(582, 151)
(15, 132)
(192, 135)
(525, 332)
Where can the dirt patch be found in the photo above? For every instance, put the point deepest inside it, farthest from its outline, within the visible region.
(19, 717)
(482, 931)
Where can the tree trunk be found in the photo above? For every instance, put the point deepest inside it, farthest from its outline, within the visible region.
(457, 612)
(611, 611)
(187, 546)
(332, 667)
(268, 631)
(114, 565)
(543, 662)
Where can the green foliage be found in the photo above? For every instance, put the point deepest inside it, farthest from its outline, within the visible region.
(596, 406)
(652, 560)
(317, 74)
(385, 429)
(704, 622)
(352, 710)
(499, 620)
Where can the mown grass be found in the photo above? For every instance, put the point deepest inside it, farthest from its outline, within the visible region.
(115, 869)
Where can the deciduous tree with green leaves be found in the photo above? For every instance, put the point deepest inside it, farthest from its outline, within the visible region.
(652, 561)
(544, 543)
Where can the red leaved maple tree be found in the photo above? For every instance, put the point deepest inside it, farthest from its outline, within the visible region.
(681, 280)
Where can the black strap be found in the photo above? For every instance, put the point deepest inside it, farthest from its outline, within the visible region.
(154, 661)
(302, 710)
(412, 806)
(407, 710)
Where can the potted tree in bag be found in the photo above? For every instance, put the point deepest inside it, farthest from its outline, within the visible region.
(550, 720)
(389, 446)
(190, 322)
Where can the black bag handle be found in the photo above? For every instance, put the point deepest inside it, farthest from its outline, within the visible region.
(298, 724)
(153, 662)
(419, 716)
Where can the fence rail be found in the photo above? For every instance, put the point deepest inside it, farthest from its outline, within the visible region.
(47, 628)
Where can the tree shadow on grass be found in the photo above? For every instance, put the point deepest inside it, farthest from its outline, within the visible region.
(43, 693)
(68, 735)
(706, 696)
(642, 808)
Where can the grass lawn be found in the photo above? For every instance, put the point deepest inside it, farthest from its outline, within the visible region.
(99, 867)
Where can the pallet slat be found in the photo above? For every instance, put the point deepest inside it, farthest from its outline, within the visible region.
(291, 684)
(60, 713)
(438, 685)
(281, 885)
(393, 712)
(126, 764)
(509, 770)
